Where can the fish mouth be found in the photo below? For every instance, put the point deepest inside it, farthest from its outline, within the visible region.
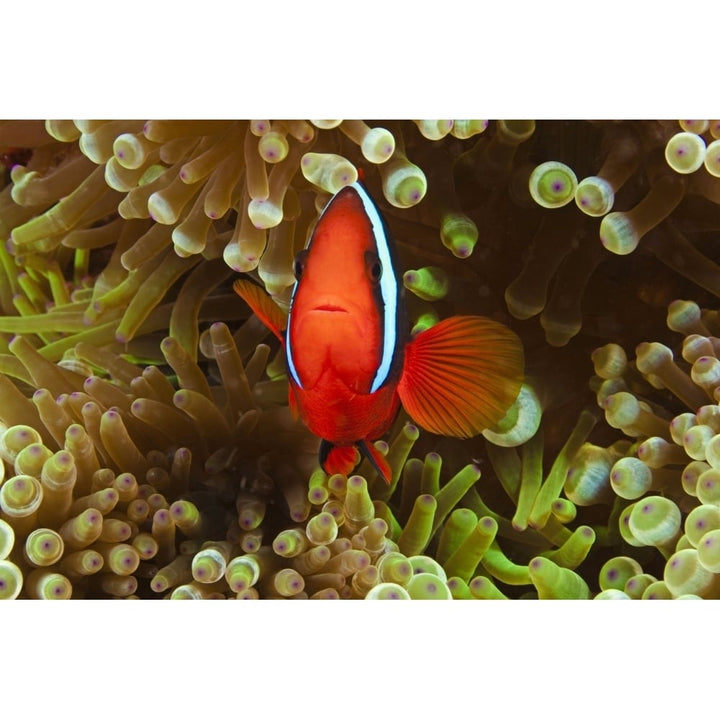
(328, 307)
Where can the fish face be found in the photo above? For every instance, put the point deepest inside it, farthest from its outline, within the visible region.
(347, 299)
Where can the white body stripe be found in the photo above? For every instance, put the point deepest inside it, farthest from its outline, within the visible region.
(388, 288)
(388, 292)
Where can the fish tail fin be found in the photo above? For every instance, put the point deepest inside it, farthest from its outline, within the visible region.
(263, 306)
(461, 376)
(336, 459)
(376, 459)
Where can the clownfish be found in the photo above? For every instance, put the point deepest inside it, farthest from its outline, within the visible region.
(350, 359)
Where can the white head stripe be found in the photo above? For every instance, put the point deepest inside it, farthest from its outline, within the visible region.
(288, 345)
(388, 288)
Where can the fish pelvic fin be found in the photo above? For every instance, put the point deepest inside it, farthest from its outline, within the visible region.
(336, 459)
(462, 375)
(376, 459)
(343, 459)
(263, 306)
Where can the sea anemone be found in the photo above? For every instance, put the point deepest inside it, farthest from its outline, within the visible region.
(147, 446)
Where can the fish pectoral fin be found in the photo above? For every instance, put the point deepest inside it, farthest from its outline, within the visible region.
(292, 404)
(461, 375)
(336, 459)
(376, 459)
(263, 306)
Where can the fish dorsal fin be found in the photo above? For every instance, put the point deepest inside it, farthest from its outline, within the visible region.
(461, 375)
(263, 306)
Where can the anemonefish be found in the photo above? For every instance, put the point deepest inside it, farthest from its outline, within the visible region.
(350, 359)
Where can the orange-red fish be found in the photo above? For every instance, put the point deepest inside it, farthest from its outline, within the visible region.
(350, 359)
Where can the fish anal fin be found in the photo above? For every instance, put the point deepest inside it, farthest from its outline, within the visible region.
(336, 459)
(461, 375)
(377, 460)
(263, 306)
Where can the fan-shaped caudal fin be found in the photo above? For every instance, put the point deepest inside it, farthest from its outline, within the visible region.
(461, 375)
(336, 459)
(263, 306)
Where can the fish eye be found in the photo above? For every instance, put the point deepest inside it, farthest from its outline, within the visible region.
(373, 266)
(299, 264)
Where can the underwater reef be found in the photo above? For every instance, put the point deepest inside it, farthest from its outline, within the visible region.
(148, 449)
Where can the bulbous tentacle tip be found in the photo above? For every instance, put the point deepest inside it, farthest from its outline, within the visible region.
(594, 196)
(552, 184)
(712, 158)
(685, 152)
(617, 233)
